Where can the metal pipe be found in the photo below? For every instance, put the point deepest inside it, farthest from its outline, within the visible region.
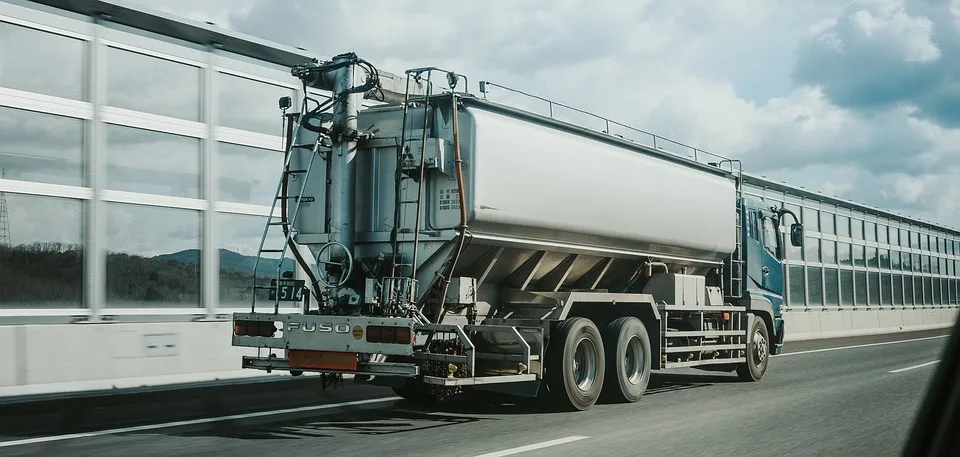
(458, 160)
(343, 167)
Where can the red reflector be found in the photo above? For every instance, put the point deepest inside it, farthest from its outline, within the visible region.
(373, 334)
(403, 335)
(388, 334)
(254, 328)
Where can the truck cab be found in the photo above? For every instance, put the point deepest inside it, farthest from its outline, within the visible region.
(764, 250)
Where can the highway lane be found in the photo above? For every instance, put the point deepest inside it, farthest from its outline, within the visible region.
(849, 401)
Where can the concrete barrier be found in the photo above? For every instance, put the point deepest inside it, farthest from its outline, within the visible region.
(805, 325)
(49, 359)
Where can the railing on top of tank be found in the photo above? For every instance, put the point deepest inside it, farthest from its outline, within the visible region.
(693, 152)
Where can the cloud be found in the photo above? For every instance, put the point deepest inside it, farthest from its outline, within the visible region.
(855, 98)
(885, 53)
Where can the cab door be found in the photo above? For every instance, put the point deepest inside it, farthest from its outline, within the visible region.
(771, 269)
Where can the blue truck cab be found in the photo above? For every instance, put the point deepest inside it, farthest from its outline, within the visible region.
(763, 288)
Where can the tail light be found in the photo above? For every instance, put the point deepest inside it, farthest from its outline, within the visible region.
(388, 334)
(254, 328)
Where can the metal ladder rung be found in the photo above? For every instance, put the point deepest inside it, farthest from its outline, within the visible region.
(272, 251)
(295, 172)
(279, 223)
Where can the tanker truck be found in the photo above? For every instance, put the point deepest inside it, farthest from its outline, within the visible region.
(448, 243)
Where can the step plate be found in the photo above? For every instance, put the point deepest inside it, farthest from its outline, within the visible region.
(405, 370)
(479, 380)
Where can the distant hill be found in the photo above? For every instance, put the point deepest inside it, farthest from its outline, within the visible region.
(51, 272)
(230, 260)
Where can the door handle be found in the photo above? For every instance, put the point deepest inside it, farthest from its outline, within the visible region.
(766, 270)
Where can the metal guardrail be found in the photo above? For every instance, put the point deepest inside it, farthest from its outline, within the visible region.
(655, 141)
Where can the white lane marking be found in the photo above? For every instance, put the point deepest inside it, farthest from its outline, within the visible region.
(531, 447)
(141, 428)
(901, 370)
(860, 346)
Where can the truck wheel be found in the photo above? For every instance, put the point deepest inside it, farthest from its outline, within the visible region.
(575, 363)
(758, 353)
(627, 347)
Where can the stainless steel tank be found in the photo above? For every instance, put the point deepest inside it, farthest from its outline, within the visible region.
(541, 195)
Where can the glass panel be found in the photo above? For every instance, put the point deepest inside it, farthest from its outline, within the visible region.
(811, 248)
(919, 293)
(870, 231)
(895, 260)
(912, 237)
(885, 259)
(152, 162)
(42, 62)
(158, 86)
(926, 264)
(874, 282)
(828, 251)
(937, 292)
(859, 255)
(815, 286)
(908, 292)
(843, 226)
(797, 286)
(882, 234)
(42, 267)
(885, 289)
(239, 240)
(250, 175)
(811, 219)
(861, 287)
(153, 257)
(41, 147)
(898, 290)
(928, 291)
(251, 105)
(831, 292)
(846, 287)
(904, 237)
(872, 261)
(828, 223)
(907, 259)
(857, 227)
(916, 262)
(843, 254)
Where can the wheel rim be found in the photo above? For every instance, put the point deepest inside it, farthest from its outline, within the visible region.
(759, 348)
(633, 360)
(585, 364)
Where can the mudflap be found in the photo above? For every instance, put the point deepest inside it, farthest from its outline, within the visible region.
(778, 330)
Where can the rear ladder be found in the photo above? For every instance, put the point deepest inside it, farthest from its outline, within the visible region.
(735, 272)
(287, 225)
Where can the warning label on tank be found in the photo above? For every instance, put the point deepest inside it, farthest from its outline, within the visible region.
(449, 200)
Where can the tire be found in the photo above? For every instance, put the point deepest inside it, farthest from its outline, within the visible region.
(758, 353)
(627, 347)
(576, 343)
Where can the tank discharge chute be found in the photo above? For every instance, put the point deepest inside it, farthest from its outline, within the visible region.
(447, 242)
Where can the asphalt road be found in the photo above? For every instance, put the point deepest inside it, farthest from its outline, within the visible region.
(825, 398)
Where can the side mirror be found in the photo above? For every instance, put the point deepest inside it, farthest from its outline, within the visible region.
(796, 235)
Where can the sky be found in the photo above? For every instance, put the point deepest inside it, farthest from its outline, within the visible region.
(853, 98)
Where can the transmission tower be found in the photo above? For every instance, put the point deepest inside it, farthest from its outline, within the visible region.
(4, 219)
